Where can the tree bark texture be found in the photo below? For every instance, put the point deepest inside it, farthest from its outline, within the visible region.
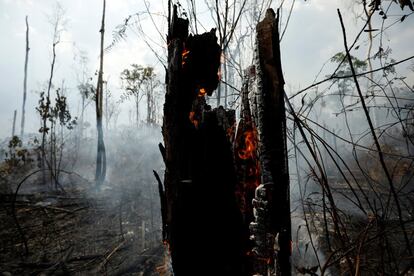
(272, 200)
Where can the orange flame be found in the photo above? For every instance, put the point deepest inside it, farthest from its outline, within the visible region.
(230, 132)
(184, 56)
(250, 145)
(201, 92)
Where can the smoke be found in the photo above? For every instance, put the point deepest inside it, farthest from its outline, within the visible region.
(132, 154)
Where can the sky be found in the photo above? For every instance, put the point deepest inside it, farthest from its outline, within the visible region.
(312, 37)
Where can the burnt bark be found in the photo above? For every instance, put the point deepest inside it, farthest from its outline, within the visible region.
(202, 220)
(272, 226)
(247, 167)
(220, 187)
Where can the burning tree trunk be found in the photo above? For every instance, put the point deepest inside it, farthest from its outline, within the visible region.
(202, 221)
(261, 156)
(212, 190)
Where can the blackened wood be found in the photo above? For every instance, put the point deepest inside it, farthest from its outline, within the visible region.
(162, 151)
(162, 203)
(271, 123)
(248, 173)
(202, 219)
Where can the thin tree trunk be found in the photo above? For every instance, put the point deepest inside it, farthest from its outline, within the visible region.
(45, 117)
(106, 106)
(218, 95)
(226, 80)
(26, 60)
(14, 123)
(148, 108)
(101, 153)
(52, 152)
(82, 119)
(137, 109)
(150, 94)
(149, 91)
(368, 14)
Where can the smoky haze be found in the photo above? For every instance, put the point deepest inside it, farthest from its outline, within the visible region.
(123, 217)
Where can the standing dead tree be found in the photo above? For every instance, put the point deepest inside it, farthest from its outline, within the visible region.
(261, 155)
(202, 222)
(101, 153)
(44, 108)
(212, 174)
(268, 111)
(26, 60)
(14, 123)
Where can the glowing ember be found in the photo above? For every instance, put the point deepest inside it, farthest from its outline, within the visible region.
(184, 55)
(201, 92)
(230, 133)
(250, 145)
(192, 119)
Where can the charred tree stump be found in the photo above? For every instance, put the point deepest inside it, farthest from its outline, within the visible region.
(272, 226)
(225, 199)
(202, 221)
(263, 119)
(246, 159)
